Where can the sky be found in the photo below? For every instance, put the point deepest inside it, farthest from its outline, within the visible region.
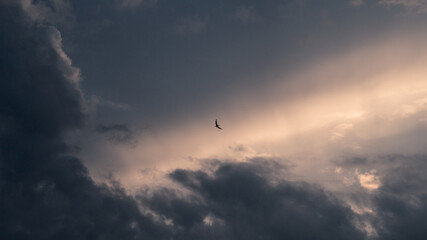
(107, 112)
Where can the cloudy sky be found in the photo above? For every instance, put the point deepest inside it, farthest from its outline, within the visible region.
(107, 113)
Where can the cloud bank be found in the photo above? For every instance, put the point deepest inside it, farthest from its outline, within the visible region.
(237, 201)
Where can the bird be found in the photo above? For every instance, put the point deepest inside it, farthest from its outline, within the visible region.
(216, 124)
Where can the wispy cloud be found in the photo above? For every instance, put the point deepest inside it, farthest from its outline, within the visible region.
(56, 12)
(120, 133)
(190, 26)
(418, 6)
(246, 14)
(95, 101)
(136, 3)
(357, 3)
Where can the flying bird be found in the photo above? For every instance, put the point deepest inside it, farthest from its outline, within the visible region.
(216, 124)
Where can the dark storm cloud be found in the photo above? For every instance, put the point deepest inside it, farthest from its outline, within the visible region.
(238, 202)
(45, 193)
(115, 132)
(402, 199)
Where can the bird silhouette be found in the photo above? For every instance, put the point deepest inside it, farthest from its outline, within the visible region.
(216, 124)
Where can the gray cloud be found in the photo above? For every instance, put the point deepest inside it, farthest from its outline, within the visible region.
(115, 132)
(45, 192)
(419, 6)
(238, 202)
(357, 3)
(57, 12)
(402, 199)
(155, 68)
(136, 3)
(246, 14)
(190, 26)
(352, 162)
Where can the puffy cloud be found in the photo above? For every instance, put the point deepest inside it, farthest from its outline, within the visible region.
(40, 91)
(369, 180)
(57, 12)
(47, 193)
(236, 201)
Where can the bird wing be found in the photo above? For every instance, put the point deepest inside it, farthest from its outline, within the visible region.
(216, 124)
